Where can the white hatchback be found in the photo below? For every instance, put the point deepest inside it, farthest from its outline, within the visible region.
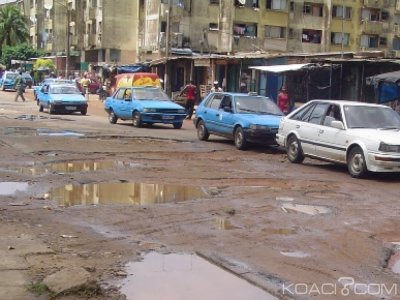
(365, 137)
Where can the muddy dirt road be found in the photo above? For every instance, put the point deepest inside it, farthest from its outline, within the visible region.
(80, 194)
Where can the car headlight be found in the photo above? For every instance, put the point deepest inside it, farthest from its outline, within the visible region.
(388, 148)
(57, 101)
(149, 110)
(259, 127)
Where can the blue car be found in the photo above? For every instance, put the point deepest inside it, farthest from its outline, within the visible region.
(64, 98)
(245, 118)
(37, 88)
(7, 81)
(143, 105)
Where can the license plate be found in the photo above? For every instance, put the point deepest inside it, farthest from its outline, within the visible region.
(168, 117)
(70, 107)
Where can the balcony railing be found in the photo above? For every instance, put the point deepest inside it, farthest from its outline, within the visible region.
(372, 27)
(374, 3)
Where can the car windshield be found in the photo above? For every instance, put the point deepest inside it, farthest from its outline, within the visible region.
(11, 76)
(149, 94)
(256, 105)
(358, 116)
(64, 90)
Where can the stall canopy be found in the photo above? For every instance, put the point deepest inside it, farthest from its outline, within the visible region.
(133, 68)
(386, 86)
(283, 68)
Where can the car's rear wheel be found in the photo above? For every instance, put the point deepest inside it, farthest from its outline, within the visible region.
(294, 151)
(177, 125)
(202, 132)
(137, 119)
(356, 163)
(112, 118)
(240, 140)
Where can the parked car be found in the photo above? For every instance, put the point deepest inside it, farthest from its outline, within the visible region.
(365, 137)
(7, 81)
(49, 81)
(245, 118)
(61, 98)
(143, 105)
(28, 80)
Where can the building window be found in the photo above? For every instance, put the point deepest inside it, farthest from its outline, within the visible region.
(277, 4)
(336, 38)
(214, 1)
(249, 30)
(369, 41)
(382, 41)
(275, 32)
(313, 9)
(247, 3)
(311, 36)
(341, 12)
(370, 14)
(213, 26)
(384, 16)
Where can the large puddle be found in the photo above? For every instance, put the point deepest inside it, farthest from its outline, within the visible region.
(26, 131)
(126, 193)
(72, 167)
(183, 277)
(10, 188)
(305, 209)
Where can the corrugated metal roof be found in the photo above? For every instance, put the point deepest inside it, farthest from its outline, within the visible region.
(281, 68)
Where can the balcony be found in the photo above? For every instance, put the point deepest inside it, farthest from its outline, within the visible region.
(374, 3)
(89, 40)
(372, 27)
(396, 30)
(90, 13)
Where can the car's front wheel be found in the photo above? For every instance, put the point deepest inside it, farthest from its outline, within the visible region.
(112, 118)
(294, 151)
(202, 132)
(51, 109)
(40, 107)
(177, 125)
(356, 163)
(240, 139)
(137, 119)
(84, 111)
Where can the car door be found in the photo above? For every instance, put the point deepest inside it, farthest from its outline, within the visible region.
(117, 102)
(225, 118)
(332, 141)
(43, 95)
(211, 112)
(125, 105)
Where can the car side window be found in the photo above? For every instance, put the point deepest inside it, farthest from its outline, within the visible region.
(332, 114)
(318, 113)
(226, 102)
(215, 101)
(304, 114)
(120, 94)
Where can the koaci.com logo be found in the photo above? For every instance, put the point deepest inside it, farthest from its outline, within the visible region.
(346, 286)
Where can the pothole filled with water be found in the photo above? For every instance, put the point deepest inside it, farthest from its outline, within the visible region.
(72, 167)
(125, 193)
(305, 209)
(10, 188)
(185, 276)
(27, 131)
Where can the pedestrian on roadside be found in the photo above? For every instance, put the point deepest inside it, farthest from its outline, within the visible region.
(283, 100)
(19, 86)
(190, 90)
(216, 87)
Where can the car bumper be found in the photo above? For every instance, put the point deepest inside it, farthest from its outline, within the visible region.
(261, 136)
(70, 107)
(383, 162)
(162, 118)
(280, 139)
(8, 86)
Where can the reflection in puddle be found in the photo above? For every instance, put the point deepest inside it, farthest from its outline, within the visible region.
(72, 166)
(306, 209)
(27, 131)
(184, 276)
(10, 188)
(129, 193)
(279, 231)
(297, 254)
(224, 224)
(394, 263)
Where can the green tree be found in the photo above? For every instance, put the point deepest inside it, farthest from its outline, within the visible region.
(19, 52)
(13, 26)
(41, 67)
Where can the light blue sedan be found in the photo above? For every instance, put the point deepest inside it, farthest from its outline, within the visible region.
(143, 105)
(245, 118)
(61, 98)
(7, 81)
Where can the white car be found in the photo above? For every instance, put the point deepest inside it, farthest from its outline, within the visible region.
(365, 137)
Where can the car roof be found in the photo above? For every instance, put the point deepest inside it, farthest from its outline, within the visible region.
(346, 102)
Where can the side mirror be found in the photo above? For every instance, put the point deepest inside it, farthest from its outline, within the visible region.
(337, 125)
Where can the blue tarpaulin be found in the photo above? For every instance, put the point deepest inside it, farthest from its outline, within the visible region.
(133, 69)
(386, 86)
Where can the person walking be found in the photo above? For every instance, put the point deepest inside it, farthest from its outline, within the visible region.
(19, 86)
(283, 100)
(190, 90)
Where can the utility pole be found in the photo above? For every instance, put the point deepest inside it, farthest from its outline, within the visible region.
(67, 51)
(167, 85)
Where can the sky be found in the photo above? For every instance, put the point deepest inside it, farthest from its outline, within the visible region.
(5, 1)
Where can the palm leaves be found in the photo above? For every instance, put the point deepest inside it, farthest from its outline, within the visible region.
(13, 26)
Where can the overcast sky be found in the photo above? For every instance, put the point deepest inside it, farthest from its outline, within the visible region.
(5, 1)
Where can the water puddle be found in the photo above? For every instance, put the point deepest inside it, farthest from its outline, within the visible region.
(296, 254)
(279, 231)
(224, 224)
(27, 131)
(185, 276)
(306, 209)
(71, 167)
(394, 262)
(10, 188)
(31, 117)
(125, 193)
